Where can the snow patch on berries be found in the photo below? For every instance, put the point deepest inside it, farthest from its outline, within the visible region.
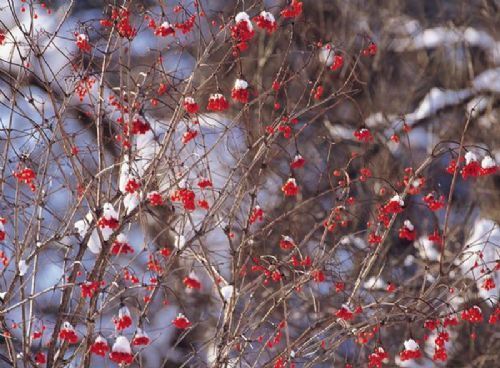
(411, 345)
(266, 20)
(124, 319)
(267, 16)
(411, 350)
(287, 243)
(121, 245)
(190, 105)
(470, 157)
(344, 313)
(488, 162)
(192, 282)
(2, 229)
(68, 333)
(240, 84)
(82, 42)
(363, 135)
(397, 199)
(407, 231)
(121, 352)
(240, 91)
(242, 31)
(297, 162)
(217, 102)
(488, 166)
(181, 322)
(164, 30)
(243, 17)
(409, 225)
(122, 238)
(106, 224)
(100, 346)
(140, 338)
(290, 188)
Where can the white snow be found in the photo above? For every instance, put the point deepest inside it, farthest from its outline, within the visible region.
(436, 100)
(140, 333)
(123, 311)
(227, 292)
(100, 339)
(240, 84)
(415, 183)
(449, 38)
(242, 17)
(408, 225)
(411, 345)
(23, 267)
(346, 307)
(180, 241)
(166, 25)
(398, 199)
(68, 326)
(470, 157)
(326, 55)
(374, 283)
(358, 242)
(338, 131)
(109, 212)
(488, 162)
(194, 276)
(14, 52)
(427, 249)
(488, 80)
(215, 96)
(131, 201)
(377, 119)
(122, 345)
(94, 243)
(106, 233)
(267, 16)
(124, 173)
(83, 225)
(409, 260)
(121, 238)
